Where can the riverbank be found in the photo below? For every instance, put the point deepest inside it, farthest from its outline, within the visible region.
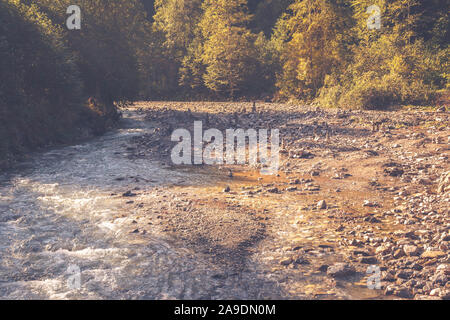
(27, 131)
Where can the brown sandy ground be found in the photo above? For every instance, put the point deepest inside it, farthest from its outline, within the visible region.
(343, 201)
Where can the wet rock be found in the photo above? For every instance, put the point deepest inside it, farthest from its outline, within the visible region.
(433, 254)
(445, 237)
(398, 253)
(300, 154)
(439, 279)
(219, 276)
(425, 297)
(359, 252)
(370, 204)
(368, 260)
(394, 172)
(444, 183)
(383, 249)
(411, 250)
(312, 187)
(286, 261)
(315, 173)
(273, 190)
(129, 194)
(301, 260)
(323, 268)
(387, 276)
(340, 270)
(404, 274)
(322, 205)
(417, 267)
(356, 243)
(445, 294)
(372, 153)
(445, 268)
(372, 219)
(398, 291)
(435, 292)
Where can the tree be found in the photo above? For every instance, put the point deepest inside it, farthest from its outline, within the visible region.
(312, 42)
(40, 87)
(392, 65)
(266, 13)
(149, 6)
(228, 51)
(178, 21)
(433, 24)
(112, 35)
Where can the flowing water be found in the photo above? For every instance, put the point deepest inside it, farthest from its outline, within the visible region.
(60, 237)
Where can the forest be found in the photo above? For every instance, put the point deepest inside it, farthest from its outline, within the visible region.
(55, 81)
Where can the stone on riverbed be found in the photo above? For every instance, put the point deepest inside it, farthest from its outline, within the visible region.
(444, 183)
(286, 261)
(398, 291)
(411, 250)
(129, 194)
(339, 270)
(433, 254)
(322, 205)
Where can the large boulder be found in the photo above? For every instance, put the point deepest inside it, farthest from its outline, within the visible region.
(444, 183)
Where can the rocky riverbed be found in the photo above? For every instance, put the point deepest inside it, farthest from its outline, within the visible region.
(362, 197)
(359, 210)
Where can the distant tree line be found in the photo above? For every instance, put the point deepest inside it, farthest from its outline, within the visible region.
(310, 50)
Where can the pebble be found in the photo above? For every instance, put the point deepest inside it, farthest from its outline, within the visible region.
(433, 254)
(322, 205)
(411, 250)
(340, 270)
(129, 194)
